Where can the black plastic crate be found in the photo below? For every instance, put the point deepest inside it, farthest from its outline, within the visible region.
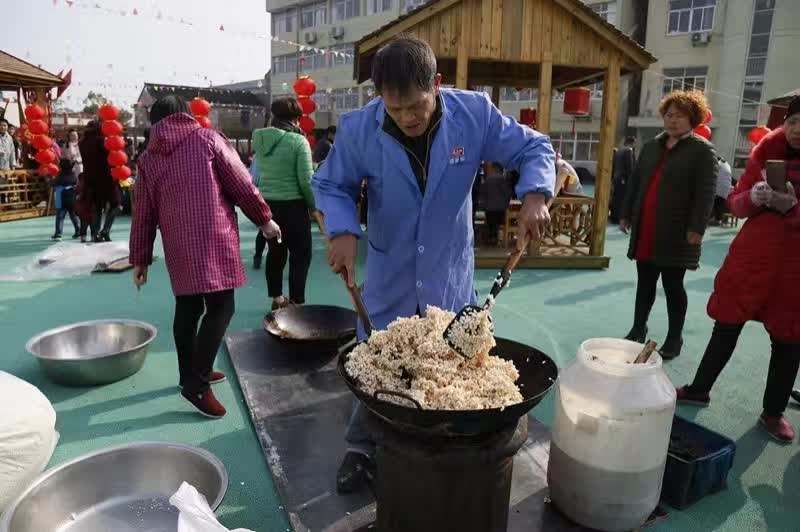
(698, 463)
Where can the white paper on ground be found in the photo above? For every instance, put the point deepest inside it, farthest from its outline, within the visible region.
(65, 260)
(195, 513)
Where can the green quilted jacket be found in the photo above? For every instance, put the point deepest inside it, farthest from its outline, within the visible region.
(284, 165)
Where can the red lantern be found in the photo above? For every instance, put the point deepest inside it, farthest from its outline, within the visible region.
(51, 170)
(307, 124)
(709, 117)
(111, 128)
(35, 112)
(305, 86)
(42, 142)
(45, 157)
(117, 158)
(199, 107)
(703, 131)
(758, 133)
(108, 112)
(38, 127)
(576, 101)
(120, 173)
(528, 117)
(114, 143)
(204, 121)
(307, 105)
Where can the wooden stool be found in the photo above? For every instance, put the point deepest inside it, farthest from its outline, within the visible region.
(729, 220)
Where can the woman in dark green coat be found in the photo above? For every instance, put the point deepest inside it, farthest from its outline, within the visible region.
(667, 208)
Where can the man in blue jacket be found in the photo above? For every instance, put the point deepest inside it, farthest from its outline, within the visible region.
(418, 146)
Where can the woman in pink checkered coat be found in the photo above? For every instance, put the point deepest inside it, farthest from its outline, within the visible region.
(189, 181)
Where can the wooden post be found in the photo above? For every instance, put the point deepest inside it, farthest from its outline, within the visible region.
(545, 101)
(462, 53)
(608, 128)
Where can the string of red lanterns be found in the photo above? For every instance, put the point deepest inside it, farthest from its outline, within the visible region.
(305, 88)
(114, 143)
(703, 130)
(758, 133)
(37, 129)
(200, 109)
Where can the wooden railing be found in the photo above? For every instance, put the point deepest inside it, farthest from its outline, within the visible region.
(570, 224)
(23, 194)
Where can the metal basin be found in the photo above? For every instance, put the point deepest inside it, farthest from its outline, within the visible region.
(120, 489)
(93, 352)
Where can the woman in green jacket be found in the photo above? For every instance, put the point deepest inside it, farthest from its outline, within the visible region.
(283, 158)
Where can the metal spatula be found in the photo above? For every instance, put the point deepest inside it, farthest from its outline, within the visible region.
(465, 313)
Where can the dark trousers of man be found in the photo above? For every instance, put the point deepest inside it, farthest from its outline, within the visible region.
(677, 302)
(720, 208)
(783, 365)
(494, 219)
(293, 218)
(197, 348)
(617, 199)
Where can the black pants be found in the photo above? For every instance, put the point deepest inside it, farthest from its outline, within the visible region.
(617, 199)
(720, 208)
(292, 216)
(783, 366)
(60, 215)
(197, 348)
(677, 302)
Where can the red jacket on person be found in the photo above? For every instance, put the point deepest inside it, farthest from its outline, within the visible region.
(760, 278)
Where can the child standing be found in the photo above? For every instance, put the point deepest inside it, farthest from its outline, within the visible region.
(65, 185)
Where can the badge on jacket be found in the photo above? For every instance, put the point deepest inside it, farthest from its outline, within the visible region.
(457, 155)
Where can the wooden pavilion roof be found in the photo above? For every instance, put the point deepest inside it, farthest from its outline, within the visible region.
(16, 73)
(506, 40)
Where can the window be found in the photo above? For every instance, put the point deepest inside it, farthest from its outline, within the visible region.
(510, 94)
(368, 94)
(379, 6)
(314, 15)
(410, 5)
(685, 78)
(322, 99)
(689, 16)
(578, 146)
(344, 99)
(283, 22)
(314, 61)
(284, 64)
(347, 59)
(346, 9)
(607, 10)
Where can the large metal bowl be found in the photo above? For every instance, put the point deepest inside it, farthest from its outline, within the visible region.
(120, 489)
(93, 352)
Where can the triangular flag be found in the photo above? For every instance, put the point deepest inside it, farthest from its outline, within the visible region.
(135, 11)
(70, 2)
(221, 27)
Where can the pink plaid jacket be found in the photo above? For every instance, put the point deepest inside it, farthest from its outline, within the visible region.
(188, 181)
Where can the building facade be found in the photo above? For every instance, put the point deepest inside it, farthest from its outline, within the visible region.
(740, 52)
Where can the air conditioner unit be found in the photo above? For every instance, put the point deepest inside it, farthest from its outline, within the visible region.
(311, 37)
(701, 38)
(337, 32)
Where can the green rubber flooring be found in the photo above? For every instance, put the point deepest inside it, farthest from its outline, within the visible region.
(553, 310)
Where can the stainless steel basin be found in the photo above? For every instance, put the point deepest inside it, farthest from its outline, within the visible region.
(120, 489)
(93, 352)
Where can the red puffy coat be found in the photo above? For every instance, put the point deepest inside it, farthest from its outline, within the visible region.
(760, 278)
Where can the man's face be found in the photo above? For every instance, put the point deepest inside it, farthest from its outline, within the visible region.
(791, 128)
(412, 111)
(3, 128)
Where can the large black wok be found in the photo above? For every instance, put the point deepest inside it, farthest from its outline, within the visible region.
(537, 374)
(312, 323)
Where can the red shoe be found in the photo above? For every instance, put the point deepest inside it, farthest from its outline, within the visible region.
(688, 397)
(215, 377)
(205, 403)
(778, 427)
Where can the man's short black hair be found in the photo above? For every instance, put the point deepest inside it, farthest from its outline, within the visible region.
(4, 121)
(630, 141)
(404, 64)
(331, 130)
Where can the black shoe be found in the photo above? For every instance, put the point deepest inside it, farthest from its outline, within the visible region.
(76, 236)
(356, 471)
(57, 238)
(256, 263)
(671, 348)
(637, 334)
(796, 395)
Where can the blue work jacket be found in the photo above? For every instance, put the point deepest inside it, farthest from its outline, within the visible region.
(420, 247)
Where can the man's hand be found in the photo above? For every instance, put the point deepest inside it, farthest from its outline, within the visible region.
(342, 251)
(695, 239)
(534, 217)
(271, 230)
(783, 202)
(139, 276)
(625, 226)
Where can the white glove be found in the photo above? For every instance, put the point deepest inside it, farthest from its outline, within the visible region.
(271, 230)
(760, 194)
(783, 202)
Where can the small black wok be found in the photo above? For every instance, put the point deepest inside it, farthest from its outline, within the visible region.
(537, 374)
(312, 323)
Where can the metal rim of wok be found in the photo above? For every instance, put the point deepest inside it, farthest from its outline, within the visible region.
(311, 323)
(537, 375)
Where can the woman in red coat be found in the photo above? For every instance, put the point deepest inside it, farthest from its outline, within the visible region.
(760, 279)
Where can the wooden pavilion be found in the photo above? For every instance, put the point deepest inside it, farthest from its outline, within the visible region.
(541, 44)
(24, 193)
